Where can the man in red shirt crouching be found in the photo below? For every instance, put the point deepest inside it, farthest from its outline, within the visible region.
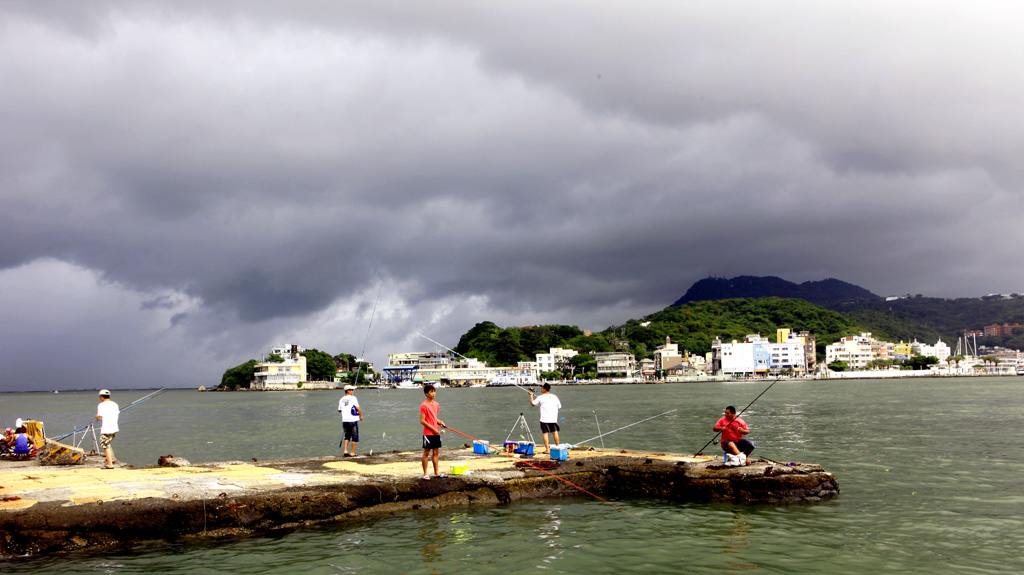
(733, 429)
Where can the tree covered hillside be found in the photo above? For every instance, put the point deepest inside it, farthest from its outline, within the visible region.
(928, 318)
(693, 326)
(826, 293)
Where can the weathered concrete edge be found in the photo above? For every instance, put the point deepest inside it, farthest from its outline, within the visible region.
(49, 528)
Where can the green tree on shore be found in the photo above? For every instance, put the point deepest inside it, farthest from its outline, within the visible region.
(239, 376)
(319, 365)
(838, 365)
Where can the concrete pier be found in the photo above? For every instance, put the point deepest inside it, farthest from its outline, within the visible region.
(53, 509)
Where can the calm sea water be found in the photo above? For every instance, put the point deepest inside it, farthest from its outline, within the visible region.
(930, 473)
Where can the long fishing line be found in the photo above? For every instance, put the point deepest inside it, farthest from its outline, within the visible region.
(625, 426)
(142, 399)
(700, 451)
(362, 354)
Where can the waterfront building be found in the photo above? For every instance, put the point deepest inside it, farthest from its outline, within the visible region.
(647, 368)
(940, 350)
(856, 351)
(807, 341)
(442, 368)
(557, 359)
(787, 356)
(667, 356)
(747, 358)
(758, 356)
(615, 364)
(902, 350)
(280, 375)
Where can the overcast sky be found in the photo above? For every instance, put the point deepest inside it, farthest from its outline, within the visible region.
(185, 184)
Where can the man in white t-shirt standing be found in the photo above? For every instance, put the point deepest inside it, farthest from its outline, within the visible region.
(107, 413)
(351, 415)
(549, 406)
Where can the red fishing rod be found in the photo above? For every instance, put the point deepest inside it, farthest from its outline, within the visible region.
(538, 468)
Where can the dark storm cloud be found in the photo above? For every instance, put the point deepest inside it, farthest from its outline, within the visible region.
(220, 177)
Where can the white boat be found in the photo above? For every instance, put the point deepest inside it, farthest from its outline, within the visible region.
(406, 384)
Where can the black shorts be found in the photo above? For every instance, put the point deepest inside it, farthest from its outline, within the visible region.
(744, 445)
(351, 430)
(431, 442)
(548, 427)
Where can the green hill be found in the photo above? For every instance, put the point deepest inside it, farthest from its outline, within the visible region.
(928, 318)
(912, 317)
(826, 293)
(693, 326)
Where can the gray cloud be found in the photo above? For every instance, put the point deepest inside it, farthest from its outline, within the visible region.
(207, 180)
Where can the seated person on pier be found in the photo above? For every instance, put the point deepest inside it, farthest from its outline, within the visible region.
(22, 446)
(733, 429)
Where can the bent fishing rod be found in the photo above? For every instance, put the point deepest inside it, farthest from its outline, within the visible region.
(701, 450)
(129, 406)
(538, 468)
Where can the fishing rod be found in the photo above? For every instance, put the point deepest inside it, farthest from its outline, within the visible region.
(142, 399)
(362, 354)
(442, 345)
(462, 356)
(699, 452)
(598, 427)
(537, 467)
(624, 426)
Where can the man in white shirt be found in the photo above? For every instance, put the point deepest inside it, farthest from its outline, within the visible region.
(549, 406)
(351, 415)
(107, 413)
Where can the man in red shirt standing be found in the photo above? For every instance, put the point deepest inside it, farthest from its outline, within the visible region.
(733, 429)
(432, 429)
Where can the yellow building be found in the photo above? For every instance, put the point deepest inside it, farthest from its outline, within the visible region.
(285, 374)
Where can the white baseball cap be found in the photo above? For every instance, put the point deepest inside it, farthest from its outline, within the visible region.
(348, 387)
(104, 392)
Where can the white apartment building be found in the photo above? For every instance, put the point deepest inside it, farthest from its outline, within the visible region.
(940, 349)
(788, 355)
(557, 359)
(747, 358)
(757, 355)
(854, 350)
